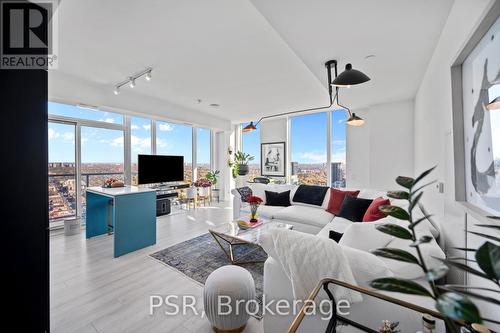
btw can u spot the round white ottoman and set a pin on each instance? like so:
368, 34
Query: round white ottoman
231, 285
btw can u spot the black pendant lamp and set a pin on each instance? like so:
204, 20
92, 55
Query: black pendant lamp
354, 120
349, 77
494, 104
248, 128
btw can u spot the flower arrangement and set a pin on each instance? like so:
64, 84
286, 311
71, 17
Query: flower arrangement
202, 182
113, 182
254, 202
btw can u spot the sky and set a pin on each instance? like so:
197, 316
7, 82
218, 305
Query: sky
101, 145
308, 138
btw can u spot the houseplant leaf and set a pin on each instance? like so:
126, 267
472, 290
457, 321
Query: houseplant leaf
488, 259
488, 226
463, 267
414, 224
396, 254
400, 286
496, 239
395, 211
415, 201
402, 195
422, 240
406, 182
459, 307
437, 273
394, 230
473, 295
423, 175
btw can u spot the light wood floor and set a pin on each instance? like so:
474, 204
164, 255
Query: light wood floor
93, 292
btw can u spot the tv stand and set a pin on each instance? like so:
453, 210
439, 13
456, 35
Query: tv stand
165, 193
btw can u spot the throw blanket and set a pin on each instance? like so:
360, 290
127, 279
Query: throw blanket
306, 259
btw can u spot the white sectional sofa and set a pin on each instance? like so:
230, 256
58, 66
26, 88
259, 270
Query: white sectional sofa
361, 236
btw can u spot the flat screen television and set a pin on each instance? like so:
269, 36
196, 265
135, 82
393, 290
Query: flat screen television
160, 169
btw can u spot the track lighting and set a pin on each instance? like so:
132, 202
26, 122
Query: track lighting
131, 80
349, 77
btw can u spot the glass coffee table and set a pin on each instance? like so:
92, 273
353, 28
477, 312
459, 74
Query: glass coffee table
232, 235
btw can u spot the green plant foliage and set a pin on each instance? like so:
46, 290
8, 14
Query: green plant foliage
488, 259
395, 230
405, 181
459, 307
401, 195
422, 240
400, 286
395, 211
396, 254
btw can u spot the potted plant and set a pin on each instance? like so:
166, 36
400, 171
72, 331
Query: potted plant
213, 177
455, 302
203, 186
241, 160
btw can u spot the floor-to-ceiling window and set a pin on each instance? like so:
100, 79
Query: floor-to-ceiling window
140, 142
338, 149
176, 139
250, 144
203, 152
102, 156
62, 171
308, 136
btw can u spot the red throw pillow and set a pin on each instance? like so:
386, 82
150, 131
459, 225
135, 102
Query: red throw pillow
373, 213
337, 198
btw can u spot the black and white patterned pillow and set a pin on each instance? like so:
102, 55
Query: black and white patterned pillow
244, 192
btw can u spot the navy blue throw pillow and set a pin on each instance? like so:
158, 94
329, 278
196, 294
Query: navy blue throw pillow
354, 208
278, 199
310, 194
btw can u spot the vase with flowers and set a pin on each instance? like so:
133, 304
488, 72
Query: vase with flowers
203, 186
254, 202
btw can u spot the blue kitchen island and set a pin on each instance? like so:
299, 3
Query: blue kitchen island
129, 213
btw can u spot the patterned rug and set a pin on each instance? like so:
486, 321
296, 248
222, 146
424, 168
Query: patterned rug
200, 256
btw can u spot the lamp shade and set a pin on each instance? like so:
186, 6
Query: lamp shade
350, 77
494, 104
354, 120
248, 128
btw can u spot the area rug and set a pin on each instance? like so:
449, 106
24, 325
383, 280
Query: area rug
200, 256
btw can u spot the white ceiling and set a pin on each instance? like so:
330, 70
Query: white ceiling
253, 58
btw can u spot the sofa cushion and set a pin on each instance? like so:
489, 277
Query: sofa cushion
373, 212
365, 237
337, 198
264, 211
354, 208
304, 214
278, 199
310, 194
338, 224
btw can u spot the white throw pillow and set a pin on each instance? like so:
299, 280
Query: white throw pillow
365, 266
364, 236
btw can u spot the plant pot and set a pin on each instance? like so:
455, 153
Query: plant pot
203, 191
243, 169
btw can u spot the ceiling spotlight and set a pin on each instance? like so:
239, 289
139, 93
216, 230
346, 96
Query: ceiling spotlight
349, 77
132, 82
214, 105
354, 120
116, 91
148, 76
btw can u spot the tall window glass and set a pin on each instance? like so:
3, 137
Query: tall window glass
62, 171
338, 146
176, 139
308, 149
140, 142
203, 146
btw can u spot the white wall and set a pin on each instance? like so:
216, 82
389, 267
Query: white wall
273, 130
382, 148
433, 116
434, 128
